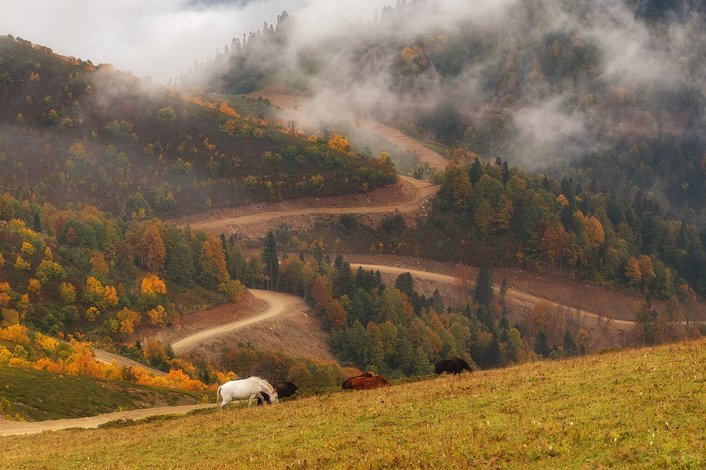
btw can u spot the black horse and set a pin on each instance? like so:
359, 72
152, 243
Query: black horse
455, 366
284, 390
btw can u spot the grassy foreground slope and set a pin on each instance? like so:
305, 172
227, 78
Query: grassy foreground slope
638, 408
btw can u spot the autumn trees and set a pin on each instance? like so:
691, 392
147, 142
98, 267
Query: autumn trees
88, 272
585, 231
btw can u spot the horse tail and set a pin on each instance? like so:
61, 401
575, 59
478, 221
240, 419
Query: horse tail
218, 394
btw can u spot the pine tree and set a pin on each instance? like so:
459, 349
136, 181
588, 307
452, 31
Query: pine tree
541, 345
484, 286
271, 260
405, 283
570, 345
475, 172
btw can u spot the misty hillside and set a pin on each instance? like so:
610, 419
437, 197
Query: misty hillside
613, 94
71, 132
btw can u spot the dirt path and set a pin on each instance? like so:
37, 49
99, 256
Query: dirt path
407, 197
294, 107
278, 304
110, 358
515, 295
14, 428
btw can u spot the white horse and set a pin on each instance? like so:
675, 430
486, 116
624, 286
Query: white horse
249, 388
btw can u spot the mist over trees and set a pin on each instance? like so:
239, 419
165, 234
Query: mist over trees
547, 86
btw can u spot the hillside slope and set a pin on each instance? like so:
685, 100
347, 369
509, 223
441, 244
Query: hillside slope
638, 408
73, 132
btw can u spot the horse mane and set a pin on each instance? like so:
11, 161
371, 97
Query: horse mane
264, 382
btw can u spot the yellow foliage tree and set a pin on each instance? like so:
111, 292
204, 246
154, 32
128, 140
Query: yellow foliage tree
125, 321
17, 334
338, 142
92, 313
458, 183
595, 232
5, 294
491, 219
153, 286
34, 286
27, 248
157, 316
24, 305
562, 201
67, 293
47, 343
21, 264
632, 272
99, 295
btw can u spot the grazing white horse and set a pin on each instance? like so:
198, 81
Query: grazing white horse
249, 388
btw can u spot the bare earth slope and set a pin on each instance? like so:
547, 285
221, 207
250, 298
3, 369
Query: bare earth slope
286, 324
294, 107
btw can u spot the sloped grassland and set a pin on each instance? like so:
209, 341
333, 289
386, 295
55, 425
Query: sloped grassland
641, 408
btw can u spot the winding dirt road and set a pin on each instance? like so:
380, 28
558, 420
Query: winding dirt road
299, 108
278, 304
110, 358
516, 296
416, 192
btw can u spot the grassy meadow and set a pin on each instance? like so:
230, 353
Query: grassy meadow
643, 408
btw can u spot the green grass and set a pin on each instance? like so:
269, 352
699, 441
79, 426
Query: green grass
637, 409
38, 395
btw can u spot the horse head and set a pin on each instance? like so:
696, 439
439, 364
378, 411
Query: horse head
274, 398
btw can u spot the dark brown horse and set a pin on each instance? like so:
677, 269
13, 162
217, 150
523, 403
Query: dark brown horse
346, 385
452, 366
284, 389
367, 383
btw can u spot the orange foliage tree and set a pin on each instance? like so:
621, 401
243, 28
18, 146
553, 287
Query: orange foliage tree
153, 286
101, 296
338, 142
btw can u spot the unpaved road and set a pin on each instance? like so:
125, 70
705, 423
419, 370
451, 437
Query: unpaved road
13, 428
414, 194
278, 304
515, 295
110, 358
297, 108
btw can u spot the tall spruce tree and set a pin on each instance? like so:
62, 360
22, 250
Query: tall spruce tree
484, 286
271, 260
